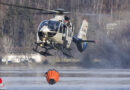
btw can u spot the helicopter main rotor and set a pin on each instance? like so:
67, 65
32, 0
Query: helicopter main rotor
58, 11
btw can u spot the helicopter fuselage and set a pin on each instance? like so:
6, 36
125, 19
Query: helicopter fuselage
58, 31
55, 32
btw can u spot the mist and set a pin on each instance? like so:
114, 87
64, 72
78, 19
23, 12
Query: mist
112, 49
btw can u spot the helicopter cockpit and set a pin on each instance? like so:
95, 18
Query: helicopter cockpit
52, 25
43, 23
50, 28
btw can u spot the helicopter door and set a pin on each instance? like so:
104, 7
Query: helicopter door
60, 37
64, 33
69, 35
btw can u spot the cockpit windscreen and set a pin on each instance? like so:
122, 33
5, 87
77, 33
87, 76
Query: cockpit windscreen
52, 25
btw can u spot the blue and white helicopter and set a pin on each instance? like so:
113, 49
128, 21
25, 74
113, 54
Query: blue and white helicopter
58, 32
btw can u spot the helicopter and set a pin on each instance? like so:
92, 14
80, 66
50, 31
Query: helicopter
58, 32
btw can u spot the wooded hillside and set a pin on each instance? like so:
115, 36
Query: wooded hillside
109, 24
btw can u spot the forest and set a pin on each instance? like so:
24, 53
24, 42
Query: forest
109, 25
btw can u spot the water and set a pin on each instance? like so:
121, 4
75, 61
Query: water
70, 79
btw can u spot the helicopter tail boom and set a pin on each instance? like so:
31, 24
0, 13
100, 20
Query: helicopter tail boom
82, 44
81, 39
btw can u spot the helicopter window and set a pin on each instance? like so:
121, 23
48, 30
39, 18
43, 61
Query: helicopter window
61, 28
64, 29
69, 32
53, 25
43, 23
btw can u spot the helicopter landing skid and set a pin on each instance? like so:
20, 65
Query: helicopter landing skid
64, 50
67, 52
45, 53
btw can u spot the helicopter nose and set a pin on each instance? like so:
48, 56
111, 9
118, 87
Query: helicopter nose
45, 30
48, 32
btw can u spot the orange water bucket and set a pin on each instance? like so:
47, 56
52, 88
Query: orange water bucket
52, 76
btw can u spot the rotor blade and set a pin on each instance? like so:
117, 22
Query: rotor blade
67, 12
26, 7
13, 5
88, 14
44, 13
92, 14
57, 11
61, 10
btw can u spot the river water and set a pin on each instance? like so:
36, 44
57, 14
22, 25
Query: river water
70, 79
